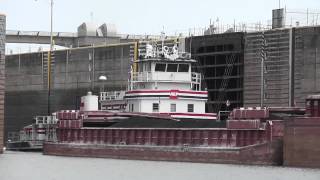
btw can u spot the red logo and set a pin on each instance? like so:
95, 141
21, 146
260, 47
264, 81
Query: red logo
174, 94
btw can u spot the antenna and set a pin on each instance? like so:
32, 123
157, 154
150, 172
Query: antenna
91, 16
162, 40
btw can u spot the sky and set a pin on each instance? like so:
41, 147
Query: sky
141, 16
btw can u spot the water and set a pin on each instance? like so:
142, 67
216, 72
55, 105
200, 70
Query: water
35, 166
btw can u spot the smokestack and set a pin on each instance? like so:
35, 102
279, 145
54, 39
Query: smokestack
278, 18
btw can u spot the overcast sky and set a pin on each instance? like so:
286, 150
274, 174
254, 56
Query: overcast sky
141, 16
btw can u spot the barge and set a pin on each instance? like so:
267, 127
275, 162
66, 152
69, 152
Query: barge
248, 137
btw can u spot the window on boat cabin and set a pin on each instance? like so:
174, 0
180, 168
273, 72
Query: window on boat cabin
139, 67
160, 67
146, 67
173, 107
183, 68
155, 107
172, 67
131, 107
190, 108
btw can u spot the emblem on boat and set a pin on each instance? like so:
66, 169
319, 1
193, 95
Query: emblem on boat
174, 94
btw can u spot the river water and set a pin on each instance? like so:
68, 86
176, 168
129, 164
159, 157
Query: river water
35, 166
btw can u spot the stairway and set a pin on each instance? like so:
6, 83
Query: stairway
45, 57
225, 81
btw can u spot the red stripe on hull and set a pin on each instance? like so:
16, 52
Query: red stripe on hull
193, 114
167, 91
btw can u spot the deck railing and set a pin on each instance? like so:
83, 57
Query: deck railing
112, 95
194, 80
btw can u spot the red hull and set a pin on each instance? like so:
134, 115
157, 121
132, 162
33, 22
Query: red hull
262, 154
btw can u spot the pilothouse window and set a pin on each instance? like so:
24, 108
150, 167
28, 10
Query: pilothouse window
172, 67
160, 67
183, 68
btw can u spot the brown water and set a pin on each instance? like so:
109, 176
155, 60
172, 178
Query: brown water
35, 166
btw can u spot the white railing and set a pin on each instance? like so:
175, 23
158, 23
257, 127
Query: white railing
46, 120
194, 79
160, 76
112, 95
142, 76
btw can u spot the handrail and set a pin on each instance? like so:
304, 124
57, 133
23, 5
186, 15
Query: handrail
112, 95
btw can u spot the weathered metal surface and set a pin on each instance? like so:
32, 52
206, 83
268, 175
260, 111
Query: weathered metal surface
262, 154
71, 124
238, 133
313, 106
277, 129
68, 115
163, 137
244, 124
301, 142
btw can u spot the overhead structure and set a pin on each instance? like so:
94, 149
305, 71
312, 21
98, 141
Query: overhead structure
107, 30
87, 29
88, 34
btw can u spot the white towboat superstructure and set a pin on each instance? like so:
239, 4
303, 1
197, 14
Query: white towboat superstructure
163, 82
31, 137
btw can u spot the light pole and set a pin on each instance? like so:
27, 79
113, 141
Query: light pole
103, 94
49, 57
102, 78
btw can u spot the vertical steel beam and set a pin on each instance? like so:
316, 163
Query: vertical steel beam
291, 66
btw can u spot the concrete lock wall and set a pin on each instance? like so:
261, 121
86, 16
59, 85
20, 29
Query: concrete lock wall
274, 46
291, 66
73, 73
2, 62
306, 63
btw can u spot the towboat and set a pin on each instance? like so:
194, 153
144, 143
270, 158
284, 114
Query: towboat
31, 137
